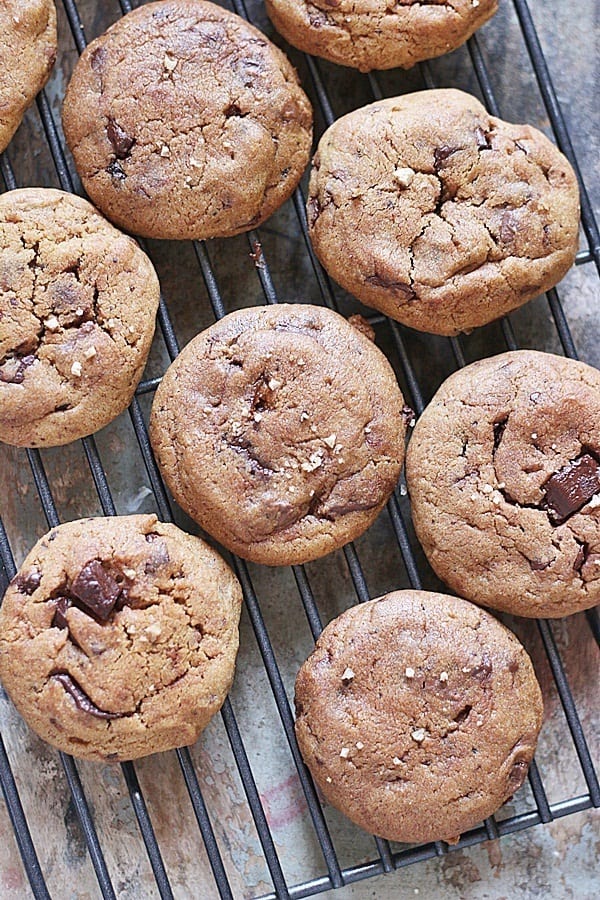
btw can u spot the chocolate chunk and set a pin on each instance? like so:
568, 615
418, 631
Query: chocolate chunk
399, 287
582, 555
159, 557
120, 140
60, 613
82, 701
482, 139
13, 370
442, 153
509, 226
27, 584
569, 489
232, 110
115, 171
96, 589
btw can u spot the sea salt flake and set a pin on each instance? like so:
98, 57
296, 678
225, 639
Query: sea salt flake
76, 369
418, 735
410, 673
344, 752
330, 440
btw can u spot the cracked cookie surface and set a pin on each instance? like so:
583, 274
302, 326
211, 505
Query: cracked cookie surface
118, 637
418, 715
28, 44
280, 430
503, 472
78, 301
377, 34
186, 122
440, 215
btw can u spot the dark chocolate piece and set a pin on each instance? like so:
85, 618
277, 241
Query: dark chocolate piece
96, 589
27, 584
82, 701
569, 489
60, 613
119, 139
508, 226
442, 153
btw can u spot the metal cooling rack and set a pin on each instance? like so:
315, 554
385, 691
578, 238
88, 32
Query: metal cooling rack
385, 859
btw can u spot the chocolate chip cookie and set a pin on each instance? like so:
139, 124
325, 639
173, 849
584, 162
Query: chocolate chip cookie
280, 430
27, 53
418, 715
503, 472
378, 35
440, 215
78, 301
118, 637
186, 122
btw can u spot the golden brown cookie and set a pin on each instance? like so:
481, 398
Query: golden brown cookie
118, 637
373, 34
418, 715
78, 301
440, 215
27, 53
280, 430
186, 122
503, 471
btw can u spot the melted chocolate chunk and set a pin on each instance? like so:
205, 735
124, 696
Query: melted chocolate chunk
569, 489
98, 59
509, 226
119, 139
60, 613
442, 153
82, 701
96, 589
13, 370
27, 584
399, 287
483, 671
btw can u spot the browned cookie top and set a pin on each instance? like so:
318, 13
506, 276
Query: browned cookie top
27, 54
376, 34
118, 637
440, 215
186, 122
281, 431
503, 473
418, 715
78, 301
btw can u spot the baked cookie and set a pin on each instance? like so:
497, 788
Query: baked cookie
373, 34
186, 122
78, 301
280, 430
27, 54
450, 220
118, 637
418, 715
503, 472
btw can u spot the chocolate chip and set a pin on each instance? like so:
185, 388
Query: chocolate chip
483, 142
82, 701
120, 140
60, 613
509, 226
27, 584
483, 671
13, 370
569, 489
115, 171
96, 589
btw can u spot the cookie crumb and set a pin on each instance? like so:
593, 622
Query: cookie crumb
330, 440
410, 673
52, 324
76, 369
443, 676
344, 752
347, 675
418, 735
